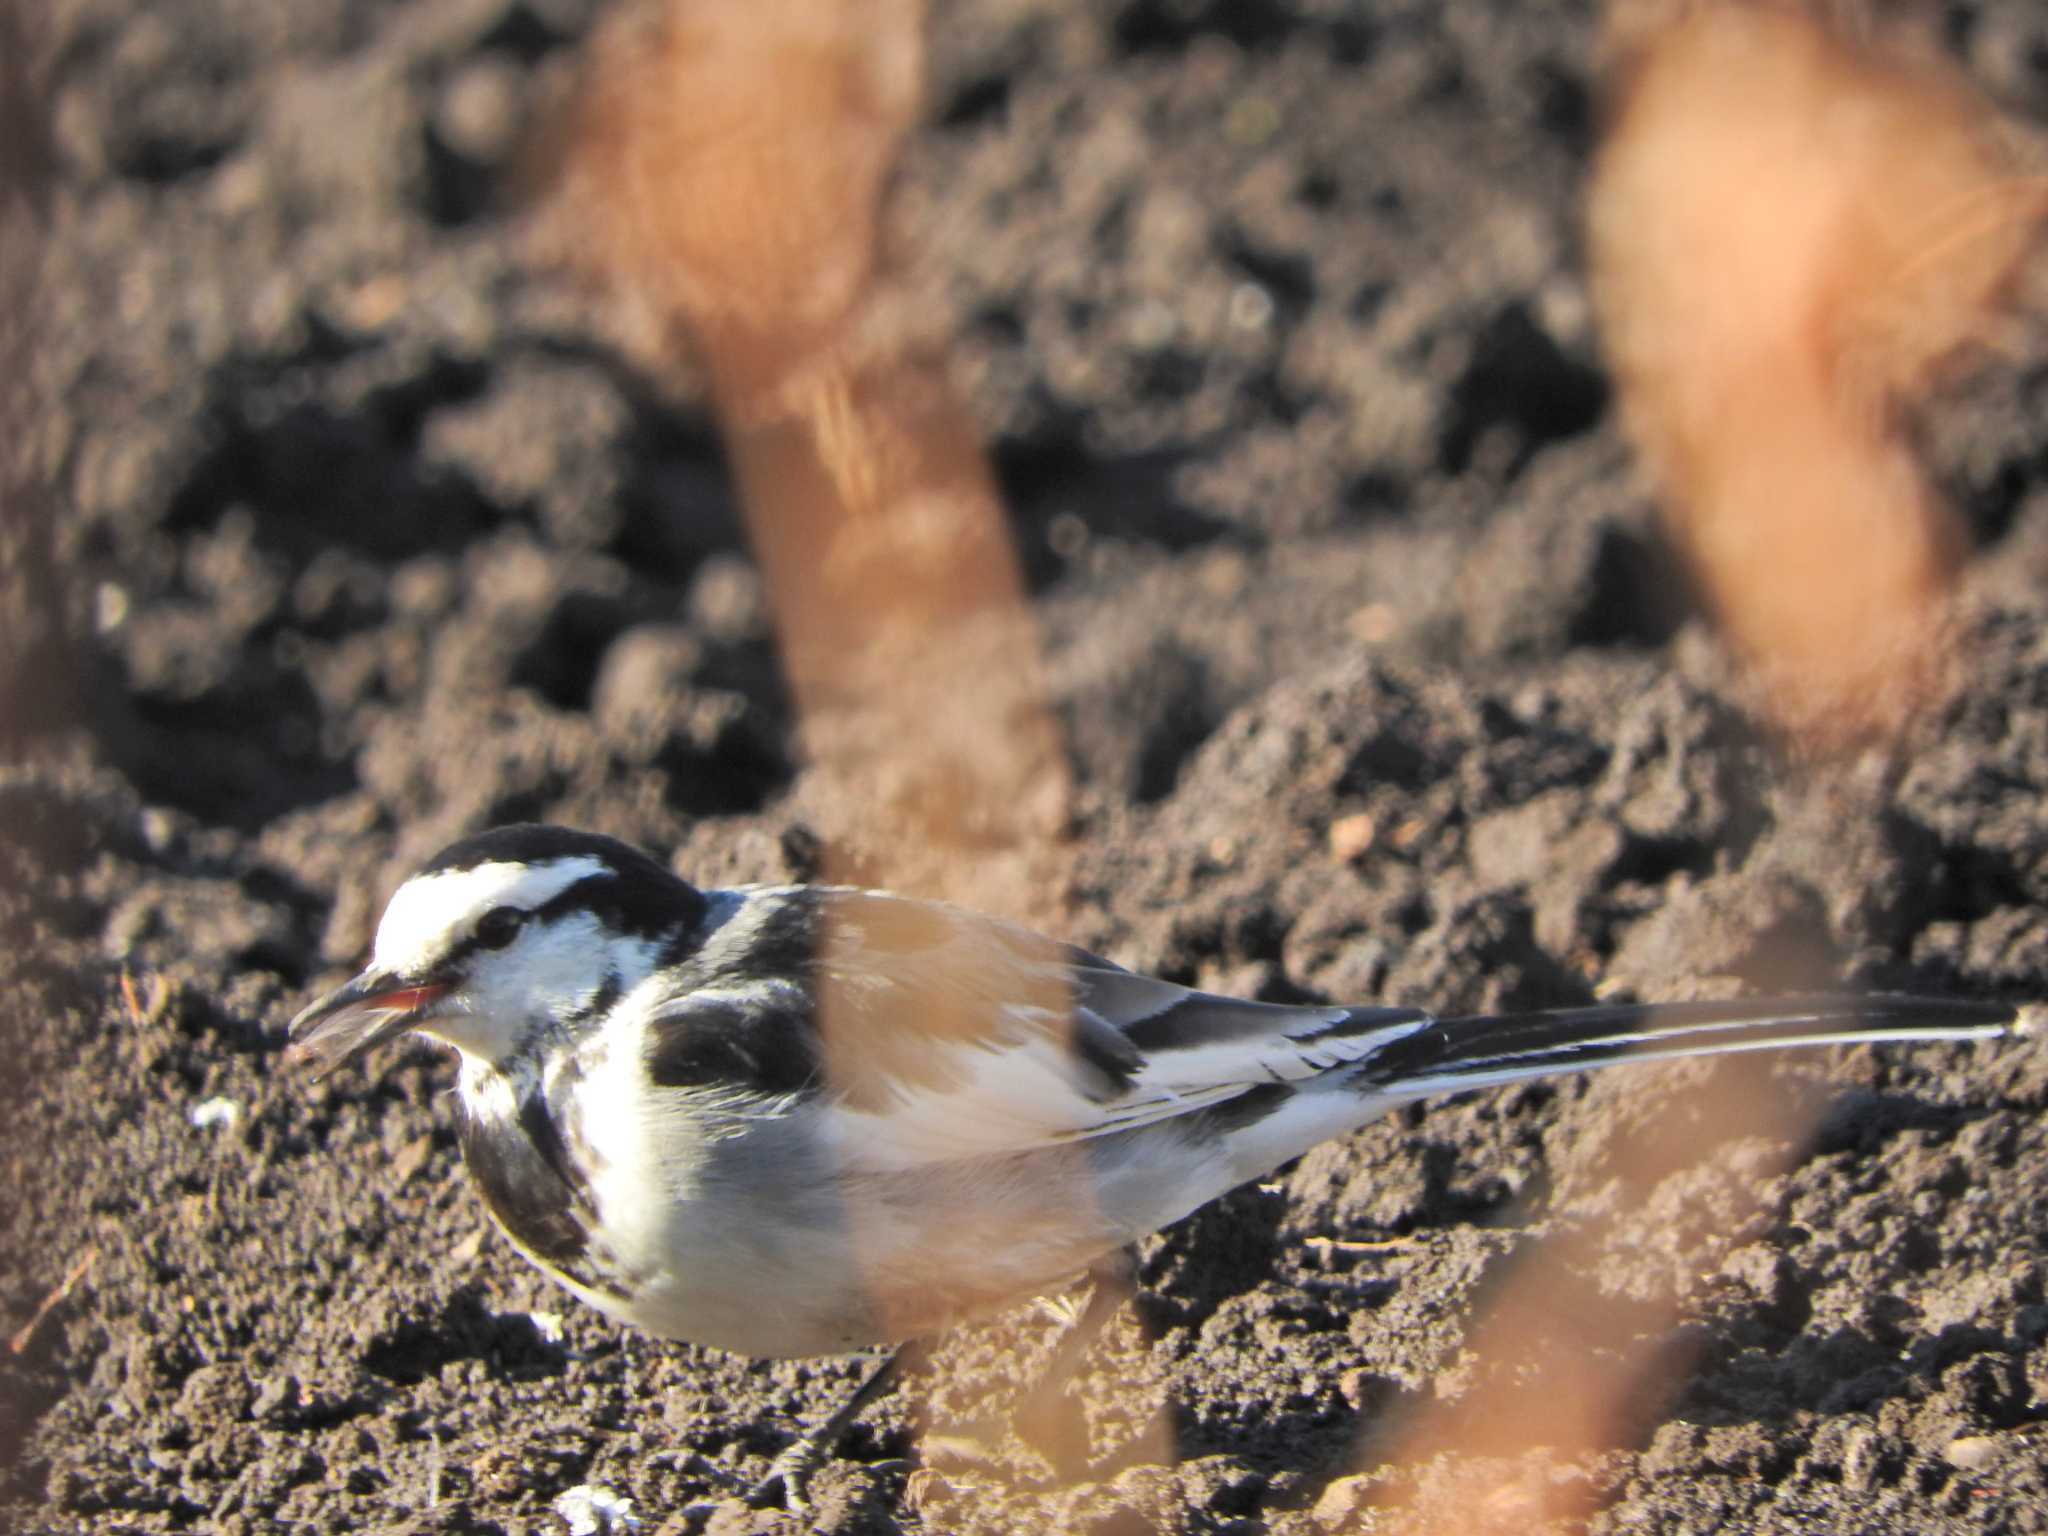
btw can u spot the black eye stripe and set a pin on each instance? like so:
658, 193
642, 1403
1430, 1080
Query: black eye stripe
649, 904
464, 948
629, 902
499, 927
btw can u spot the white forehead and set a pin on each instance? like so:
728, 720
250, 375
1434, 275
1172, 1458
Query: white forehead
430, 912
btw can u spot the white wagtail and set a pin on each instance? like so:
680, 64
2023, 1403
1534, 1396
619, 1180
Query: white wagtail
806, 1120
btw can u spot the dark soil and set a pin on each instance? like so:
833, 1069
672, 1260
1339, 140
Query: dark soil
336, 520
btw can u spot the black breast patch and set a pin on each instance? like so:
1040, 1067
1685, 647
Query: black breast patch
522, 1167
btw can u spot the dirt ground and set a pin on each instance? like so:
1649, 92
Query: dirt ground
342, 526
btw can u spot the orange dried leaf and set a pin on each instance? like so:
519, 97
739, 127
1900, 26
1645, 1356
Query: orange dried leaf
1791, 235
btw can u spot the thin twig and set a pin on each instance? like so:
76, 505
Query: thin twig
27, 1332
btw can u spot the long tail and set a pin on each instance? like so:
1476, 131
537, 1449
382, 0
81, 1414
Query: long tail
1481, 1049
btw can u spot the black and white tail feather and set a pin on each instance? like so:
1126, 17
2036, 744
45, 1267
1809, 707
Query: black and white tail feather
1479, 1050
1273, 1079
1202, 1042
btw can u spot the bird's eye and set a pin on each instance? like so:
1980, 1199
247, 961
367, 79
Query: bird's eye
499, 927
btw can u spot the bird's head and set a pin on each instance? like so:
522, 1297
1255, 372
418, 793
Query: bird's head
500, 935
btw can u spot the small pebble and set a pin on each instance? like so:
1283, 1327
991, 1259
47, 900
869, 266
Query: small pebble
1971, 1453
925, 1488
478, 115
594, 1511
414, 1156
277, 1396
1343, 1499
216, 1111
1351, 836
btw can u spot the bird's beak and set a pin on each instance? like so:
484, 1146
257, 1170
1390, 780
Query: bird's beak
351, 1019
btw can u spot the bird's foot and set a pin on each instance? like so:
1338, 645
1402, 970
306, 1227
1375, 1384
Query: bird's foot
1064, 1309
788, 1483
789, 1477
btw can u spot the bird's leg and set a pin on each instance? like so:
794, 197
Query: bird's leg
793, 1468
1039, 1418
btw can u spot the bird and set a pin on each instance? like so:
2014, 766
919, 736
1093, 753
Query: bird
807, 1120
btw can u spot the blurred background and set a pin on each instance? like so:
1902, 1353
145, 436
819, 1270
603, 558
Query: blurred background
1473, 503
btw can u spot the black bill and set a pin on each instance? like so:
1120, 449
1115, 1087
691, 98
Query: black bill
355, 1018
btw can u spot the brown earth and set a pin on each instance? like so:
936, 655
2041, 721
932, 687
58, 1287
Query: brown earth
339, 526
